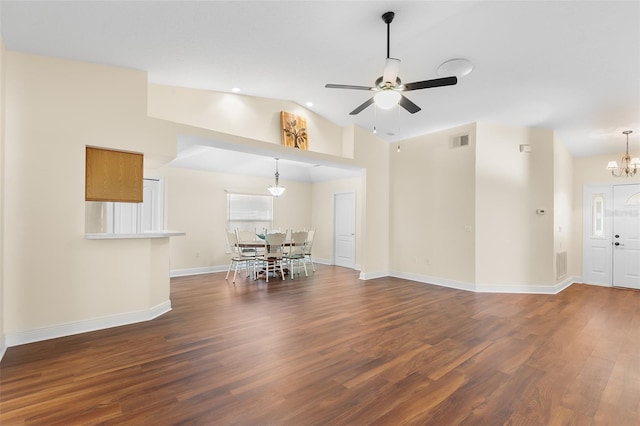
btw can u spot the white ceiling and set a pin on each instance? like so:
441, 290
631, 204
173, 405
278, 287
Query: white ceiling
571, 66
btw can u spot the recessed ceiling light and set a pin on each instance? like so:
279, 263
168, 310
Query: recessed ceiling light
458, 67
235, 89
309, 104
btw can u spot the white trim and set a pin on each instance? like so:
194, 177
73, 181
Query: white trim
197, 271
69, 329
373, 275
459, 285
487, 288
527, 289
598, 285
3, 347
137, 235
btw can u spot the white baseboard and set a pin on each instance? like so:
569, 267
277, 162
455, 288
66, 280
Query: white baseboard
488, 288
459, 285
373, 275
197, 271
62, 330
322, 261
3, 346
527, 289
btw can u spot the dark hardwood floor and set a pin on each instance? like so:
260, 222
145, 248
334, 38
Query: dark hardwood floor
333, 350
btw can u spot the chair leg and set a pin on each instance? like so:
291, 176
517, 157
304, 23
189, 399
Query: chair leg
228, 270
235, 272
304, 265
292, 269
281, 269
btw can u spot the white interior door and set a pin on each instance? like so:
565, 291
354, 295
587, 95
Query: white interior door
626, 236
344, 229
596, 235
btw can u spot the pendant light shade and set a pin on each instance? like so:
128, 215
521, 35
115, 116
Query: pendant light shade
276, 190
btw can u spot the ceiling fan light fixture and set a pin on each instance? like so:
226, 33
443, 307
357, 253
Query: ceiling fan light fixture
387, 99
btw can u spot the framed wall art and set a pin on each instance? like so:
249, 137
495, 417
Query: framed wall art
294, 130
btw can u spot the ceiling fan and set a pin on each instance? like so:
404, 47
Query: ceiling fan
389, 86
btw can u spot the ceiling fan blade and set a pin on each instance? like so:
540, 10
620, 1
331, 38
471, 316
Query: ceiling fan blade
408, 105
361, 107
436, 82
391, 69
347, 86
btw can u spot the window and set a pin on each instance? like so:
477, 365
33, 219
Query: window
249, 211
134, 218
597, 216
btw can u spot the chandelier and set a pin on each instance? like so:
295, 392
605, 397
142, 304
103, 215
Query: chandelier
276, 190
629, 166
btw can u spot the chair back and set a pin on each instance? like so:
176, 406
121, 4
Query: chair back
247, 237
309, 242
298, 243
274, 244
246, 234
232, 242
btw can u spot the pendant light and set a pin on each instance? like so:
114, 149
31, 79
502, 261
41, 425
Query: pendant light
276, 190
629, 166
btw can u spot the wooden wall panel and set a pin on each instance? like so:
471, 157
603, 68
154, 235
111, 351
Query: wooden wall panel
112, 175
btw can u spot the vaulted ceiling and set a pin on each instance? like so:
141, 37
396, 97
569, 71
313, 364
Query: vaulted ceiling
571, 66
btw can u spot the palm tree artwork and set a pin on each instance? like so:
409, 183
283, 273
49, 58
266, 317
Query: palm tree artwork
294, 131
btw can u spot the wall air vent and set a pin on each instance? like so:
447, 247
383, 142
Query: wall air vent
459, 141
561, 264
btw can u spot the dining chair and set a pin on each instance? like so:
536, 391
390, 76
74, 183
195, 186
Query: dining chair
296, 252
273, 256
238, 257
307, 247
247, 236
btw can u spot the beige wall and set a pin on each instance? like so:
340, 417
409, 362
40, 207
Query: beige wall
463, 215
514, 245
196, 203
372, 154
432, 207
563, 227
246, 116
52, 274
2, 172
328, 143
322, 217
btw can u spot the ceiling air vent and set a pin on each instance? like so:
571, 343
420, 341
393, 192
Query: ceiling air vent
459, 141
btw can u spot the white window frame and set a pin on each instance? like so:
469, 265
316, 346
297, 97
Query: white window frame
137, 218
247, 219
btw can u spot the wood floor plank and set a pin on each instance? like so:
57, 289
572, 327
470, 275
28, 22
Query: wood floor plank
333, 349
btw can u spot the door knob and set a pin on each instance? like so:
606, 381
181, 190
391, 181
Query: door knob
616, 243
617, 236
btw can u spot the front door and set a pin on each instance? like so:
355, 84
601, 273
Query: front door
626, 236
611, 235
345, 229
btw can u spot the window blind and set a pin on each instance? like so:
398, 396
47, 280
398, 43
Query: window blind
249, 211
